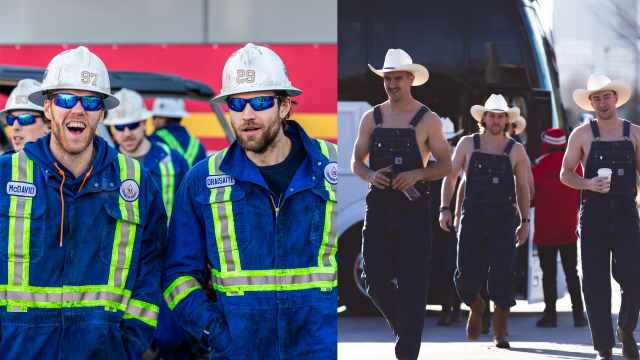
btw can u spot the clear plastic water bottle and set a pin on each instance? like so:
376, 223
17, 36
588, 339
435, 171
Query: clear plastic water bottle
411, 193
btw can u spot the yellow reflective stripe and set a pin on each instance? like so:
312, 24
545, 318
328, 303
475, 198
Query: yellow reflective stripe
125, 232
192, 150
329, 150
19, 222
143, 311
64, 297
167, 175
179, 289
326, 256
170, 140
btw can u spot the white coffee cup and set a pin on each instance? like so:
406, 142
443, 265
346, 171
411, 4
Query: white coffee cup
604, 172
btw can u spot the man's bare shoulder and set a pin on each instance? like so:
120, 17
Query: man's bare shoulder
635, 130
367, 119
519, 151
581, 133
465, 143
431, 119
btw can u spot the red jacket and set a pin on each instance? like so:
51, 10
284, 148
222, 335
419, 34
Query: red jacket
557, 205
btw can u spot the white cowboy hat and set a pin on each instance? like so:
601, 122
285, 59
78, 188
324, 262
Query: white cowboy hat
496, 104
520, 125
449, 129
599, 82
399, 60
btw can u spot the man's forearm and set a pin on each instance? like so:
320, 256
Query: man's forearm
447, 190
361, 170
573, 180
523, 200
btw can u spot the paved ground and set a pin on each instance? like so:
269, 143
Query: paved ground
369, 338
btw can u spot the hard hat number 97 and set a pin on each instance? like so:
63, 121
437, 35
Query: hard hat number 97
86, 77
250, 76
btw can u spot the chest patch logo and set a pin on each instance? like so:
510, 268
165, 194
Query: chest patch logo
17, 188
620, 172
218, 181
398, 160
331, 172
495, 180
129, 190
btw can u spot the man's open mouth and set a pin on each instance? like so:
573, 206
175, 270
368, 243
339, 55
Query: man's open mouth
76, 128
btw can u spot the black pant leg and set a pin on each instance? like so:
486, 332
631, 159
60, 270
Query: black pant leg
548, 263
569, 256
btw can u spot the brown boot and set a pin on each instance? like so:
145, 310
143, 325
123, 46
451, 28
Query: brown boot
500, 320
474, 325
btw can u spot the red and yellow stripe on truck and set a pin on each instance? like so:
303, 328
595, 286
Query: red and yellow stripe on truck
311, 67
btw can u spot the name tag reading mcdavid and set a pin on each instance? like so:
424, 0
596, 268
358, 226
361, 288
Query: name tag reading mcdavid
17, 188
218, 181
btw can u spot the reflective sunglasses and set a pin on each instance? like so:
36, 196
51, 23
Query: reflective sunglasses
130, 126
257, 103
68, 101
24, 119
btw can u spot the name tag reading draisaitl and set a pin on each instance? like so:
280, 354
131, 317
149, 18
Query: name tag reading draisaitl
17, 188
218, 181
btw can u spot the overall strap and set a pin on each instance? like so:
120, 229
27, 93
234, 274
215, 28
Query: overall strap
476, 142
416, 119
377, 115
626, 129
509, 146
594, 130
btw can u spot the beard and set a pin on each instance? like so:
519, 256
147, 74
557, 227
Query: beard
259, 144
57, 131
135, 147
496, 131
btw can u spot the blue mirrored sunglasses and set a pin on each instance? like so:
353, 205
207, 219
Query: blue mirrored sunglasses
257, 103
68, 101
24, 119
130, 126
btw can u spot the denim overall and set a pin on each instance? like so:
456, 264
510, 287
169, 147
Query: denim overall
397, 237
488, 228
609, 223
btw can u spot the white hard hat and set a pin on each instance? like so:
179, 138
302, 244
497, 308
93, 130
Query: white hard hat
169, 107
19, 98
254, 68
131, 110
76, 69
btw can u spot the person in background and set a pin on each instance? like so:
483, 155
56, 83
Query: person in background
556, 222
167, 115
167, 168
26, 119
444, 244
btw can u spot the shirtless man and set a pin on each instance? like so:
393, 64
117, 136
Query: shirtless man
490, 160
399, 135
609, 223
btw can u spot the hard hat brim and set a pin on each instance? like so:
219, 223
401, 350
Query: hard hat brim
40, 96
182, 114
291, 91
127, 120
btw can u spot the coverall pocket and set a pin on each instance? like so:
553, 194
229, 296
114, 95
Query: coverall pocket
119, 231
488, 174
325, 217
22, 224
226, 218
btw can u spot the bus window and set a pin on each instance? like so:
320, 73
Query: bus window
494, 54
352, 52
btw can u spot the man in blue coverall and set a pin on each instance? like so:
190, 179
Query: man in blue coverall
167, 168
167, 115
263, 214
82, 230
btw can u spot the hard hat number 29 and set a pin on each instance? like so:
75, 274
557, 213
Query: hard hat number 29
86, 77
250, 76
